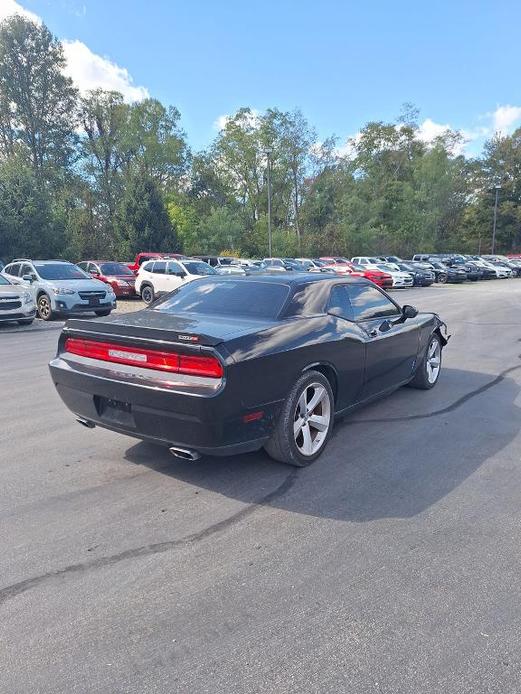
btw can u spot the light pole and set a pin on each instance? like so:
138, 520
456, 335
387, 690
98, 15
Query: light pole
498, 188
268, 156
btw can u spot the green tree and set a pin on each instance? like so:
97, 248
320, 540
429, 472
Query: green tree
37, 101
27, 227
142, 222
154, 143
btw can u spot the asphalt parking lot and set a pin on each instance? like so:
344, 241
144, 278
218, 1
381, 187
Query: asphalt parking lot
391, 565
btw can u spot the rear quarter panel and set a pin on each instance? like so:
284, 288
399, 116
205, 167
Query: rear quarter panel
268, 363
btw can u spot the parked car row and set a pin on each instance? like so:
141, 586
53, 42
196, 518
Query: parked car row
60, 288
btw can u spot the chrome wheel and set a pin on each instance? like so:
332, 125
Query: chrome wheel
433, 362
312, 419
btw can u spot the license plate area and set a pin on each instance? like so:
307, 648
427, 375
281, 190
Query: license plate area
93, 301
115, 411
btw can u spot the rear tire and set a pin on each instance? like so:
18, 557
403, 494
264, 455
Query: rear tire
429, 369
147, 294
443, 279
44, 308
305, 422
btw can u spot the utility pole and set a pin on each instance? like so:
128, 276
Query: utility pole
498, 188
268, 156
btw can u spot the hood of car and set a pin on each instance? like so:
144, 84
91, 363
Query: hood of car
85, 285
11, 290
126, 278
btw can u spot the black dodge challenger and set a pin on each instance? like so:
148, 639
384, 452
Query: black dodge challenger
226, 365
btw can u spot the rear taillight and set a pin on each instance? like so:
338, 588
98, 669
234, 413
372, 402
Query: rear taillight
157, 360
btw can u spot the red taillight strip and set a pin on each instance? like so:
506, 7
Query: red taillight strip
145, 358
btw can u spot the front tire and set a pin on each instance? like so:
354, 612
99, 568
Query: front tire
429, 369
44, 308
305, 422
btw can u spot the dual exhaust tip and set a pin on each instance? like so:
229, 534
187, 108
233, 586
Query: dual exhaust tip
182, 453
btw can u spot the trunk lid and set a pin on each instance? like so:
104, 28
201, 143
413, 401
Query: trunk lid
187, 329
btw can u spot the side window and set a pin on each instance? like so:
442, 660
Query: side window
159, 267
148, 267
367, 303
340, 301
26, 270
13, 269
173, 268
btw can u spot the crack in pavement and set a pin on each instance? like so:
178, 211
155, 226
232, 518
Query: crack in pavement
449, 408
147, 550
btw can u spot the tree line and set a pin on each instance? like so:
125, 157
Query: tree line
88, 175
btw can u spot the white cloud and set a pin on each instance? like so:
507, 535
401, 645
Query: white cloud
505, 117
9, 7
89, 70
220, 122
429, 130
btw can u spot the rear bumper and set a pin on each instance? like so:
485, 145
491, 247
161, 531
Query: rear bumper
210, 425
124, 292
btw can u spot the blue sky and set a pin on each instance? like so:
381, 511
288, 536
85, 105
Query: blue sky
341, 63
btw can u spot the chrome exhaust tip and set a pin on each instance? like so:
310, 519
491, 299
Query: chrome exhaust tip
85, 423
184, 453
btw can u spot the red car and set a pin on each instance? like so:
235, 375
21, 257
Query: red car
382, 279
143, 257
118, 275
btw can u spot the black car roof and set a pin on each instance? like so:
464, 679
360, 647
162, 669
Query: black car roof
292, 280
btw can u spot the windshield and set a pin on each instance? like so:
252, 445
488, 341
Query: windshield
4, 280
115, 269
199, 268
60, 271
227, 298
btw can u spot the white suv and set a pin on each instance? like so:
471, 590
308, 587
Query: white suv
161, 276
16, 303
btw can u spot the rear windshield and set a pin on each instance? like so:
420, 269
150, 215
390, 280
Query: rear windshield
227, 298
60, 271
115, 269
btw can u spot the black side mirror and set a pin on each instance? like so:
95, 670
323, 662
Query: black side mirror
409, 311
180, 274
